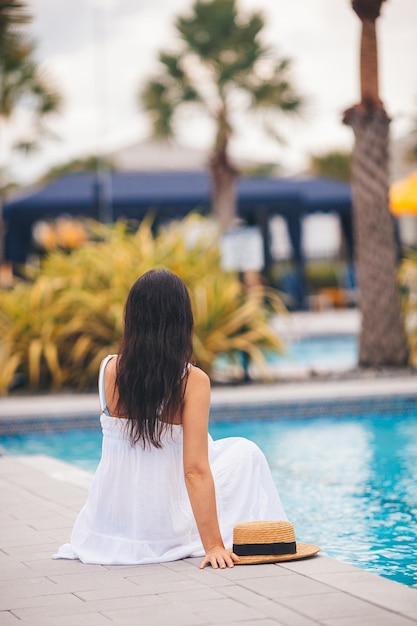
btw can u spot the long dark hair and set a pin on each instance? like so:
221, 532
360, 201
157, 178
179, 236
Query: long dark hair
155, 350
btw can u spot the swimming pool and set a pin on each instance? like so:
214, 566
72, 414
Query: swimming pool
318, 353
348, 483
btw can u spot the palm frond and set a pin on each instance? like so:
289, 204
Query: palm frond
60, 327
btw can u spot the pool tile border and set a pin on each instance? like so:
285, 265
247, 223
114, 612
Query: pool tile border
343, 407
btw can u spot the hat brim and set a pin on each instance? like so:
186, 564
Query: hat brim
304, 550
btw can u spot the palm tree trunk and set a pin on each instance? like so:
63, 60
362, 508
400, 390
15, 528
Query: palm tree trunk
369, 67
223, 174
382, 338
224, 196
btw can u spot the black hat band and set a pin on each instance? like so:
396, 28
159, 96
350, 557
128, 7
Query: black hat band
255, 549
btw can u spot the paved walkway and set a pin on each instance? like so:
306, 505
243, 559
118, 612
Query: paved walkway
22, 408
40, 498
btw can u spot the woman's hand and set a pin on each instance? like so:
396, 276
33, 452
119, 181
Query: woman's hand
218, 556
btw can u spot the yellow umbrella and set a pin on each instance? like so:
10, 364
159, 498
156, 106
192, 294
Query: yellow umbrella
403, 196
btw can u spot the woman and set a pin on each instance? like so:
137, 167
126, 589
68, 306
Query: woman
164, 490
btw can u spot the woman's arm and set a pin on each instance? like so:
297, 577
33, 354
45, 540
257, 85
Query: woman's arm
197, 472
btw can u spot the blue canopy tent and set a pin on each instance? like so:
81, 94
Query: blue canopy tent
171, 195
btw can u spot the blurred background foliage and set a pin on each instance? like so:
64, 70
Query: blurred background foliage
408, 285
332, 164
57, 326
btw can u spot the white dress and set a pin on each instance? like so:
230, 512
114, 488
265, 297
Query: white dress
138, 510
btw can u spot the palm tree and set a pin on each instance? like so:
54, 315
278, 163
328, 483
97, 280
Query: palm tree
222, 66
12, 13
382, 338
22, 84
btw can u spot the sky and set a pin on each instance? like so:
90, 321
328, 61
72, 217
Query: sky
99, 52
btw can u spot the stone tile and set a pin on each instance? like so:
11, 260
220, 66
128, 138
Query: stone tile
129, 602
92, 619
8, 619
6, 519
24, 536
19, 499
155, 616
11, 467
258, 622
38, 509
78, 607
83, 581
387, 619
162, 575
11, 570
53, 522
57, 469
147, 588
26, 588
241, 572
49, 566
25, 553
209, 577
12, 522
60, 536
152, 569
245, 596
121, 589
285, 586
331, 605
317, 564
268, 607
386, 593
223, 610
286, 616
180, 566
191, 595
57, 601
48, 490
195, 561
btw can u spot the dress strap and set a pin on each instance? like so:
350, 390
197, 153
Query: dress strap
101, 392
186, 369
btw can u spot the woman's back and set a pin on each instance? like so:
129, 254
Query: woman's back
108, 388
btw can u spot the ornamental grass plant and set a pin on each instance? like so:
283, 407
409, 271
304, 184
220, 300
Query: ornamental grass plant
56, 329
408, 285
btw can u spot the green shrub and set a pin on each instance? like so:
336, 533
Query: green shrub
56, 330
408, 284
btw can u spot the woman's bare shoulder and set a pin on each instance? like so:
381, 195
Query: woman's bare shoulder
196, 400
197, 382
197, 376
110, 367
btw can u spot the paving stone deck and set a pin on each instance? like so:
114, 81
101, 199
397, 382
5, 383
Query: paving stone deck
40, 497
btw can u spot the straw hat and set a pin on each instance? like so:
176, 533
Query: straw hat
268, 542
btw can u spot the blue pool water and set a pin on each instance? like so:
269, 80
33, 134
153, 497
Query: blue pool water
308, 353
348, 484
319, 352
